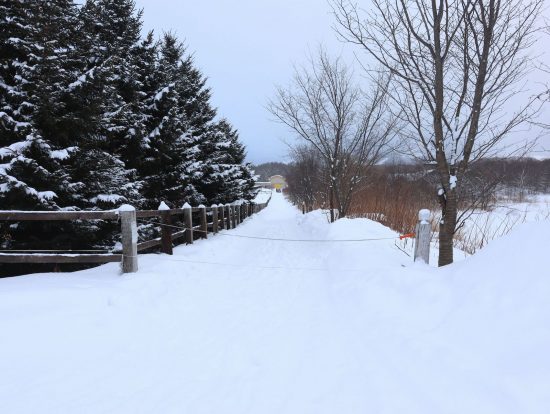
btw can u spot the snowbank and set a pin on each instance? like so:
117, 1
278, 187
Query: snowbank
235, 325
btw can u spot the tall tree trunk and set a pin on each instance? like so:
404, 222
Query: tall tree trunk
345, 205
447, 228
331, 202
337, 194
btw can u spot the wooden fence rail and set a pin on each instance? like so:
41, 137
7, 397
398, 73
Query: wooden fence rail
198, 222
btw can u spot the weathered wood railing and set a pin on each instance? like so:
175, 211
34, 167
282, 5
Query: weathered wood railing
198, 222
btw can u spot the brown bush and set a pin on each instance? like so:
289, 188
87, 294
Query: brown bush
394, 196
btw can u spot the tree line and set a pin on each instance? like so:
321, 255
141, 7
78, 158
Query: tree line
268, 169
94, 115
395, 190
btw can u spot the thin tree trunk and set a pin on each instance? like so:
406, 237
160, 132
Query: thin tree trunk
331, 202
447, 228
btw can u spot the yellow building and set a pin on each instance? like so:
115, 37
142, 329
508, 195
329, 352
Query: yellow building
278, 182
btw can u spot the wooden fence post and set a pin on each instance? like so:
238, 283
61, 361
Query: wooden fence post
245, 210
128, 226
215, 220
303, 207
204, 222
165, 230
237, 214
188, 222
423, 237
233, 209
221, 213
229, 219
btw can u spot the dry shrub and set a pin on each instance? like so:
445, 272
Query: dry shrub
394, 196
395, 193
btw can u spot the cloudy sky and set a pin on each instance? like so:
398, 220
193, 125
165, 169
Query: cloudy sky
246, 47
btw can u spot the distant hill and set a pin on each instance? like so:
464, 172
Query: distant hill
268, 169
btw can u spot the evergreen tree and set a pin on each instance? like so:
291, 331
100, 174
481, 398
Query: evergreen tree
109, 103
216, 173
195, 97
242, 185
35, 66
93, 116
15, 48
170, 159
225, 178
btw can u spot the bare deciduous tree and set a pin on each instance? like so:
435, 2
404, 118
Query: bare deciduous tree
349, 129
455, 65
545, 68
305, 177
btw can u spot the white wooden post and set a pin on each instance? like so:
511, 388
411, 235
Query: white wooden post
188, 221
128, 226
423, 237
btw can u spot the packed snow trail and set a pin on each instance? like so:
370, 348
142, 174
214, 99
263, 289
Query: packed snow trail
234, 325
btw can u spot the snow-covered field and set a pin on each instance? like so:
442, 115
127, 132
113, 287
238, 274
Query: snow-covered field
237, 325
483, 226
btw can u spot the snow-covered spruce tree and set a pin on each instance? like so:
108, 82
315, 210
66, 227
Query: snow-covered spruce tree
217, 174
170, 154
105, 105
145, 64
224, 177
194, 99
92, 116
32, 69
109, 104
36, 63
190, 157
195, 96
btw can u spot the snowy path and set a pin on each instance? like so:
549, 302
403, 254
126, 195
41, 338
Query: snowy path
275, 327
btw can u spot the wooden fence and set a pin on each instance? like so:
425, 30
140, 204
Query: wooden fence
198, 222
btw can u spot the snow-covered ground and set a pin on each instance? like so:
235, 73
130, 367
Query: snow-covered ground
482, 226
237, 325
263, 195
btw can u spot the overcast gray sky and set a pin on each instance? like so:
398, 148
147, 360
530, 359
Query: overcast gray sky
245, 48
